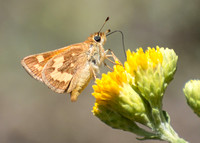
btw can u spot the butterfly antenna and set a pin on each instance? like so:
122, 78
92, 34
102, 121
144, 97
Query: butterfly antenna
122, 40
103, 24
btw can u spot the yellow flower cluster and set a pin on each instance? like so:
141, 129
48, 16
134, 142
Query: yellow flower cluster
114, 85
133, 93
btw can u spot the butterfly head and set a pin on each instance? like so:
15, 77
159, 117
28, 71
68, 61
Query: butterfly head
98, 37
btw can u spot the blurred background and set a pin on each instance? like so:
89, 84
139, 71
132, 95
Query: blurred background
32, 113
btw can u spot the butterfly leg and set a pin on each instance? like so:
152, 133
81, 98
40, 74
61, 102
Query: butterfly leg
108, 66
112, 55
92, 70
110, 60
94, 74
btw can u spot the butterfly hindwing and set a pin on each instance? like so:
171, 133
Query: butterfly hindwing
60, 72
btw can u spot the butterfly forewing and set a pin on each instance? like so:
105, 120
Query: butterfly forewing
34, 64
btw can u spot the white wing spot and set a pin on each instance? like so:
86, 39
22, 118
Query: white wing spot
56, 75
40, 58
71, 65
38, 67
58, 62
61, 76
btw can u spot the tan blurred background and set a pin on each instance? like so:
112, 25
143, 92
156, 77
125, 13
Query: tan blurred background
32, 113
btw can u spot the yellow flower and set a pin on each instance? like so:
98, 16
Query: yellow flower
142, 60
114, 91
110, 84
146, 68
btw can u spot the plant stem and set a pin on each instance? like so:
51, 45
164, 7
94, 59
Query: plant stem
168, 134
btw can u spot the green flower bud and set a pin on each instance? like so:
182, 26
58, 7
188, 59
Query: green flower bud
118, 121
150, 82
169, 63
132, 106
192, 94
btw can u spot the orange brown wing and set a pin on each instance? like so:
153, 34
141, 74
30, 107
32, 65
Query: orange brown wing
34, 64
60, 71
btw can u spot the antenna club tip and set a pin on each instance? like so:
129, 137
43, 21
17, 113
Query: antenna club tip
107, 18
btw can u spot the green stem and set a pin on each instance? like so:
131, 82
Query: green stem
162, 127
168, 134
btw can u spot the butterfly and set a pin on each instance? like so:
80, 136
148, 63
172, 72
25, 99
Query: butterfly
70, 68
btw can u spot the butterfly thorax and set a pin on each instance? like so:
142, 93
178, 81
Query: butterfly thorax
96, 53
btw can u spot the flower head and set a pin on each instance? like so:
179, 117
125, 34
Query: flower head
114, 91
192, 94
152, 71
143, 60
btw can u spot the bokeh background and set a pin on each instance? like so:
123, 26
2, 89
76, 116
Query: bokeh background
32, 113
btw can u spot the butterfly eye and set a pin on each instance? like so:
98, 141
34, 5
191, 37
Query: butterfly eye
97, 38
